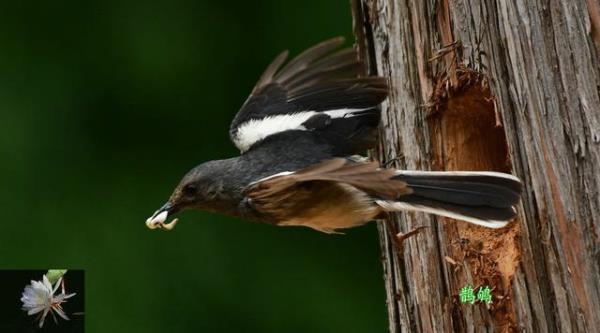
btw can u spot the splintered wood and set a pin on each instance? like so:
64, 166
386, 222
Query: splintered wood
467, 134
510, 86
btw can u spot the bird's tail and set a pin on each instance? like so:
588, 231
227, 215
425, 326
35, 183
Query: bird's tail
482, 198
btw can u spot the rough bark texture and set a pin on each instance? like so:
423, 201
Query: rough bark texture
505, 85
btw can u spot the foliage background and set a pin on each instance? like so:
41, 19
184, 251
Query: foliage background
104, 105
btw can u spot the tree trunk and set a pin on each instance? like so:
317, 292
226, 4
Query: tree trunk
511, 86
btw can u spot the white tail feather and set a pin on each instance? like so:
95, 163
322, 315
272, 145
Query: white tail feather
404, 206
457, 173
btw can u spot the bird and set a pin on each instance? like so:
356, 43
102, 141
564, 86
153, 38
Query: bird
302, 134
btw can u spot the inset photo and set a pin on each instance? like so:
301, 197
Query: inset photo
44, 300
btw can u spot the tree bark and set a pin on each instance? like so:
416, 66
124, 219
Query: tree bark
511, 86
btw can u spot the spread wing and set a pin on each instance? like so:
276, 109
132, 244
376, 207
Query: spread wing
286, 193
318, 90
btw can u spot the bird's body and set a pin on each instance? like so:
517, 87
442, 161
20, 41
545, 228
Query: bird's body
298, 134
231, 178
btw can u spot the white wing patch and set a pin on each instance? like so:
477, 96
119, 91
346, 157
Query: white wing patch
254, 130
284, 173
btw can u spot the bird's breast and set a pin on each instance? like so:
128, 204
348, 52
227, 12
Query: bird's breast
327, 207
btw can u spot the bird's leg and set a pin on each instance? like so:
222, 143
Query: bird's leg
397, 237
387, 164
392, 230
404, 236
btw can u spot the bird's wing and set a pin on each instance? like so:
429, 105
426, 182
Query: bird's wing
310, 92
284, 193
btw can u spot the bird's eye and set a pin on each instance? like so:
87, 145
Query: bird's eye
189, 190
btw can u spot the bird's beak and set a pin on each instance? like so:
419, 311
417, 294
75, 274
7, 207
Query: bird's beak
157, 220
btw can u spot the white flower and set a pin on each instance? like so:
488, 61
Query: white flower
38, 298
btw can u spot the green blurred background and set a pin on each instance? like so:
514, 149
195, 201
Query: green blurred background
104, 105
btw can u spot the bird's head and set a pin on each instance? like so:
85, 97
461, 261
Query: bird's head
200, 188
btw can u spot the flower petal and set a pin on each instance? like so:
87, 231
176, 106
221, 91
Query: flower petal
34, 296
43, 317
54, 317
56, 285
69, 295
47, 284
61, 313
35, 310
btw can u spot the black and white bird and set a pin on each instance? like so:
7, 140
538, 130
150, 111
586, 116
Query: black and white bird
299, 133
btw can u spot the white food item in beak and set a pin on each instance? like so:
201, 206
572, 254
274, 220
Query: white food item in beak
151, 225
171, 225
158, 221
160, 218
